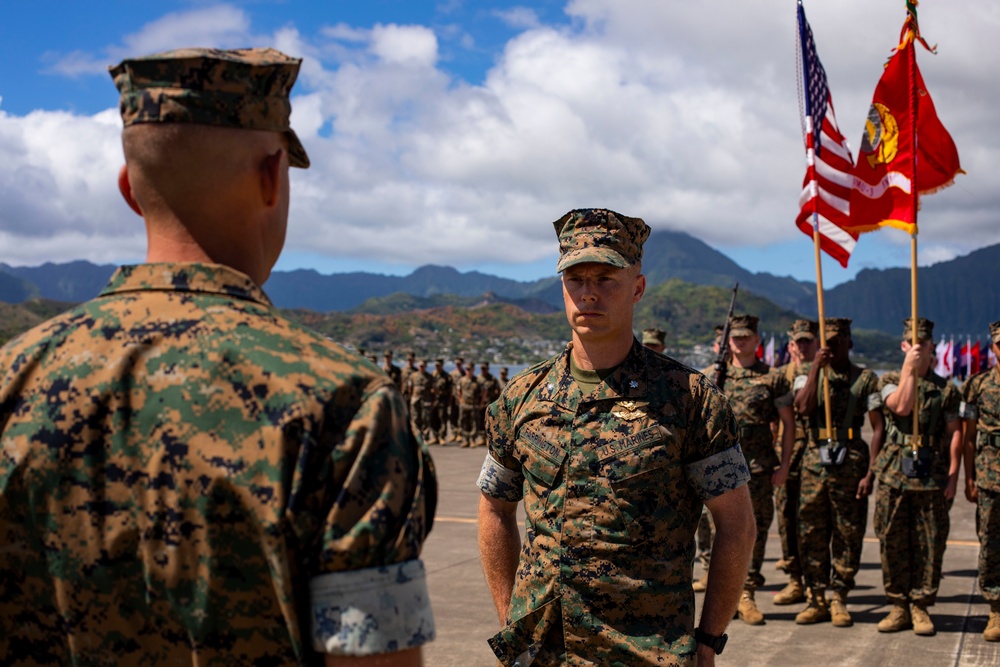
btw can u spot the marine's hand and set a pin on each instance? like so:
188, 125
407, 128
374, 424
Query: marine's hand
823, 357
865, 486
949, 491
971, 492
780, 476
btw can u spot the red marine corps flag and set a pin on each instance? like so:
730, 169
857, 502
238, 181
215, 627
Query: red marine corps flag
894, 166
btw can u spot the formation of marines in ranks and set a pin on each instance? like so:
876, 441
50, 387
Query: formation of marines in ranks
445, 406
818, 478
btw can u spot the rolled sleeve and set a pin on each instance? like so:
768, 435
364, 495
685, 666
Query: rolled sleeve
888, 390
968, 411
371, 611
499, 482
874, 401
716, 474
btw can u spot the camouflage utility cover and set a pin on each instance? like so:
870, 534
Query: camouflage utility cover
242, 88
613, 485
981, 404
934, 392
180, 465
756, 394
599, 235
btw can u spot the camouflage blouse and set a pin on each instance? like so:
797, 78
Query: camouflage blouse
935, 395
613, 485
186, 477
868, 399
981, 404
756, 394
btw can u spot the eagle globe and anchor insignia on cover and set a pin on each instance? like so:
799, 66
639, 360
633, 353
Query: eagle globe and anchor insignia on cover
880, 140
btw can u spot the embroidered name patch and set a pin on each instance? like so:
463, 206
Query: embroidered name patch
542, 445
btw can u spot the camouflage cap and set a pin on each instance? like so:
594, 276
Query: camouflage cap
925, 329
242, 88
718, 329
808, 329
743, 325
599, 235
837, 325
439, 360
387, 354
410, 356
995, 332
653, 336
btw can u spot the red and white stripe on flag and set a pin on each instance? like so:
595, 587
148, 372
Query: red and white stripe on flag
826, 189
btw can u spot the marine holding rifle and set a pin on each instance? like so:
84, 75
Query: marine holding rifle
835, 478
759, 395
917, 477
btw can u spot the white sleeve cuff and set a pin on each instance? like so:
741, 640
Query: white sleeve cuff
375, 610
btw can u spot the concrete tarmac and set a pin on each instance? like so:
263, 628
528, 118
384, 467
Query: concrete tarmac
466, 617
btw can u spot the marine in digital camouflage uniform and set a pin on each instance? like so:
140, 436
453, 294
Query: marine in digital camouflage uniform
759, 396
980, 412
456, 374
911, 505
802, 343
186, 476
489, 391
836, 476
442, 401
392, 370
613, 449
468, 392
420, 389
405, 372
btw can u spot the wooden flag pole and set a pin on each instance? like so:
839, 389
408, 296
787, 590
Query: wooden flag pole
914, 340
822, 325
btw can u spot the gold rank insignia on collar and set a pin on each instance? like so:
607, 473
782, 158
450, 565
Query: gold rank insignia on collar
629, 411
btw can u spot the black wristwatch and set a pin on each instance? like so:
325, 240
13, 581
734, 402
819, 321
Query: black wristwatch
711, 641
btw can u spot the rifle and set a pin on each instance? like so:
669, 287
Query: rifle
720, 361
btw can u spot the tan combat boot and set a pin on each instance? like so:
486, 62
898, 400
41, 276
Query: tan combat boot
838, 611
817, 611
699, 585
793, 593
922, 623
748, 611
992, 631
897, 619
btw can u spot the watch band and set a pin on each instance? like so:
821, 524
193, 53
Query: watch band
711, 641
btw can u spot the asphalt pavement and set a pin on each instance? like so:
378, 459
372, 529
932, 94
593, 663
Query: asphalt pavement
465, 615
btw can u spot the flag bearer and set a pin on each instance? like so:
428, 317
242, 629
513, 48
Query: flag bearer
917, 480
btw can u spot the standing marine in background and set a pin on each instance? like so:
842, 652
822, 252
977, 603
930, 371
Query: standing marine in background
980, 412
442, 402
420, 389
468, 394
836, 473
759, 395
802, 344
392, 370
454, 417
916, 481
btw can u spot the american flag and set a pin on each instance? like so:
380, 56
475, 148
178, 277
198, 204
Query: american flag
826, 188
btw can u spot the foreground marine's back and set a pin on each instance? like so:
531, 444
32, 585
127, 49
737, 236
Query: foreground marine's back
177, 461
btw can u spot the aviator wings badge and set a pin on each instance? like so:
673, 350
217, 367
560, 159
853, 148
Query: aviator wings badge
629, 411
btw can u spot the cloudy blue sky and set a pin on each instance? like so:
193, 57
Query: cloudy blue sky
453, 132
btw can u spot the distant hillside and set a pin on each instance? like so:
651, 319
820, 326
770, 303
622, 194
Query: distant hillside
956, 294
670, 255
18, 318
959, 295
71, 282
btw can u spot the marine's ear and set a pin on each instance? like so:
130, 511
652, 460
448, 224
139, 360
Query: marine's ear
125, 187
